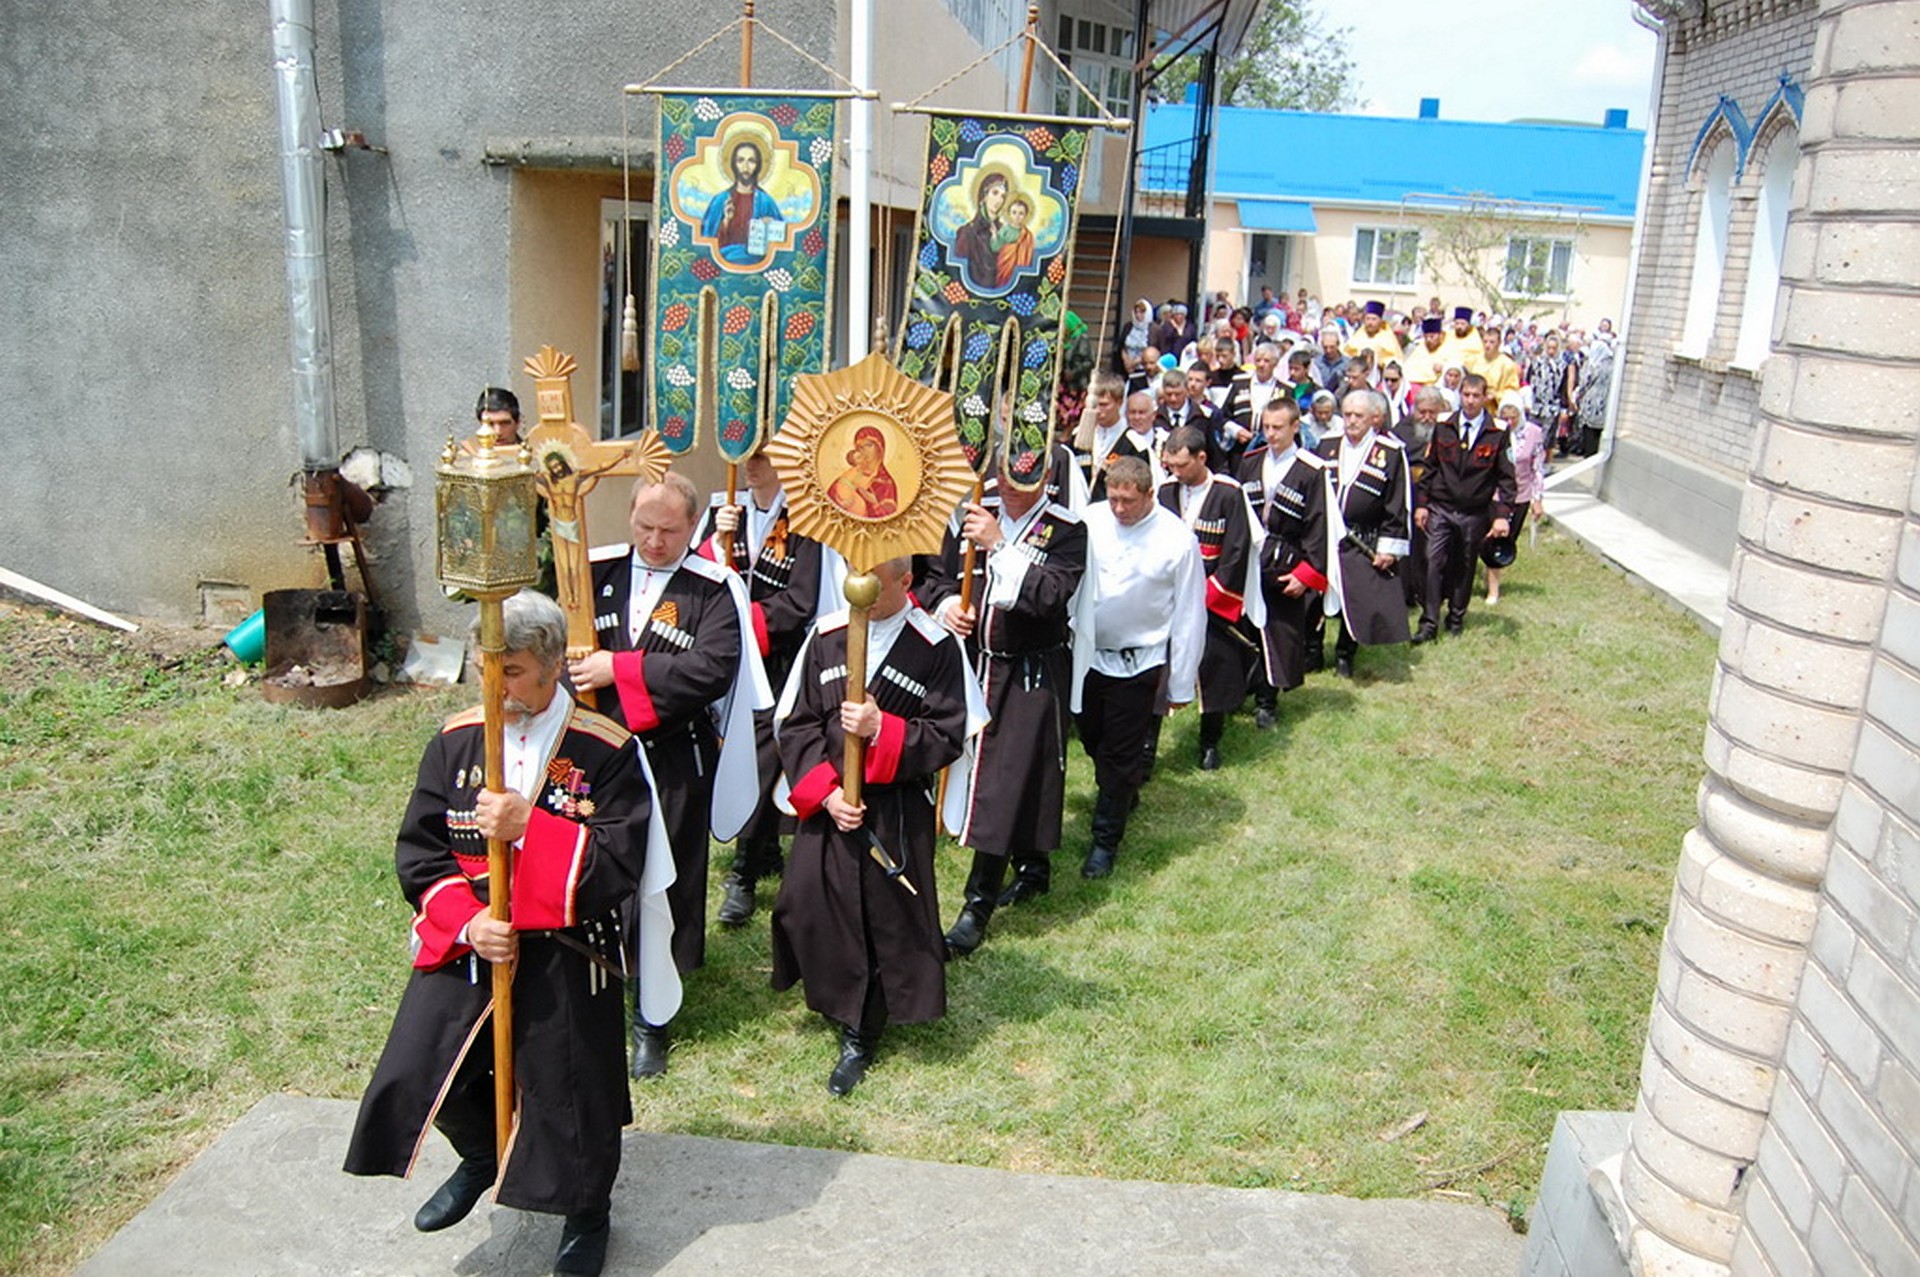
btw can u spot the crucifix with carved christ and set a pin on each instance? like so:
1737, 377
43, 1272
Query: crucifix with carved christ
568, 464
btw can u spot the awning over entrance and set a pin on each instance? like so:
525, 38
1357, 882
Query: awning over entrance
1277, 217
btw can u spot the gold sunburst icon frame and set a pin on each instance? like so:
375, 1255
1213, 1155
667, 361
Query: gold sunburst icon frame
870, 462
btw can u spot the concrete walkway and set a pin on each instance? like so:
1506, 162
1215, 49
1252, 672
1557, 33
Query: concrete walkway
1682, 576
269, 1197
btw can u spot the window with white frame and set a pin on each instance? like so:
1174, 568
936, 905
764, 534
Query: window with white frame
1384, 256
1709, 251
1101, 55
1769, 243
1537, 266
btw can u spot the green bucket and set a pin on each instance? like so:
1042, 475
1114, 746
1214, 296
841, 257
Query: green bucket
248, 640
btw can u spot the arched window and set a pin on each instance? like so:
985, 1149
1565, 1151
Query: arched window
1709, 244
1769, 243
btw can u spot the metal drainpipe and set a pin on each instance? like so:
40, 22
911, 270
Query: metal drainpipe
303, 184
1634, 243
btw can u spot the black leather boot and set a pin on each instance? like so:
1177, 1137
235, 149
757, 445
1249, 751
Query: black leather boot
738, 904
1109, 827
649, 1048
583, 1244
983, 893
1032, 876
454, 1200
1212, 727
857, 1049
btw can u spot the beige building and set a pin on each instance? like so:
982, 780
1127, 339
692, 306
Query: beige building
1536, 217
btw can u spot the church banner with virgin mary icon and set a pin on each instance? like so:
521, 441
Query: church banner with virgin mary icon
994, 249
742, 259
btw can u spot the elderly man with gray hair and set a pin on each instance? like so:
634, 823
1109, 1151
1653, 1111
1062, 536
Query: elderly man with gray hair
1369, 528
578, 809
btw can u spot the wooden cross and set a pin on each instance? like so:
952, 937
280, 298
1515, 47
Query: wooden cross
569, 463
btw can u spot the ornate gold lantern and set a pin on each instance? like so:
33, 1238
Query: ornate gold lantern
484, 512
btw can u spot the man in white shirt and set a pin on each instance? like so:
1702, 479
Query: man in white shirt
1149, 626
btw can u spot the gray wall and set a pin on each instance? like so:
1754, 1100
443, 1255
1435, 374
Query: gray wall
142, 289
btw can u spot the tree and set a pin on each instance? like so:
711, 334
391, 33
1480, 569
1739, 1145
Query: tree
1291, 60
1510, 254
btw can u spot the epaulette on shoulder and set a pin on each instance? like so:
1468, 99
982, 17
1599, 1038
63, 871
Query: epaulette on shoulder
706, 568
1062, 512
1392, 441
598, 726
1312, 458
833, 621
930, 630
475, 717
601, 553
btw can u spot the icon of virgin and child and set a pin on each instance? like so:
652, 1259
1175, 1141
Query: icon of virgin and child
995, 246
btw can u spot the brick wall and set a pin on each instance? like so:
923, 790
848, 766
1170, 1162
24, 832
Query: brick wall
1779, 1113
1703, 410
1835, 1188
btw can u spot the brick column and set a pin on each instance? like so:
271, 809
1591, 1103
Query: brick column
1820, 525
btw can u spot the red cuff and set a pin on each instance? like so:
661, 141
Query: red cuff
1222, 602
760, 629
546, 873
630, 680
1305, 573
884, 750
811, 793
445, 910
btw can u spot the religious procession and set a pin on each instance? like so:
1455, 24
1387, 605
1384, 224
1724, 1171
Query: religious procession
930, 573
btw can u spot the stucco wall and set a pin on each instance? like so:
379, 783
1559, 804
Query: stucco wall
1322, 263
142, 282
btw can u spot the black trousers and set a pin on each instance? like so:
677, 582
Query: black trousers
1453, 544
1116, 721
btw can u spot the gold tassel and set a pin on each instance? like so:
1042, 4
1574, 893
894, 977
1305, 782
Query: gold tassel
630, 338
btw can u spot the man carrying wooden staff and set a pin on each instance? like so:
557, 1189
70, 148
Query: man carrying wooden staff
864, 939
579, 811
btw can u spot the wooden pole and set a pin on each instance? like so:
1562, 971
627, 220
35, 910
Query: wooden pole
746, 82
493, 644
979, 484
1026, 59
863, 591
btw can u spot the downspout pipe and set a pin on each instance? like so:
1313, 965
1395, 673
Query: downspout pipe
1636, 241
303, 185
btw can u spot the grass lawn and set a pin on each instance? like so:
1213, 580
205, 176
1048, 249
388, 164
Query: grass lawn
1437, 890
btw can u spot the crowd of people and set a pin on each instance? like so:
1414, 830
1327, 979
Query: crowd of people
1227, 500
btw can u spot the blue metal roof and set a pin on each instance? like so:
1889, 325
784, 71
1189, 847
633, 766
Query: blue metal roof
1280, 216
1321, 158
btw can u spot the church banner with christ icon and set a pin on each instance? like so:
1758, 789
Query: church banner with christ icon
994, 256
742, 263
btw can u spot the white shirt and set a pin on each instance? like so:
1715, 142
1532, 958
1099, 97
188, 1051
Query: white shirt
530, 742
643, 595
1150, 596
1273, 469
1351, 455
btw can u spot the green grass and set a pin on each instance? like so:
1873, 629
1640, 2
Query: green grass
1436, 889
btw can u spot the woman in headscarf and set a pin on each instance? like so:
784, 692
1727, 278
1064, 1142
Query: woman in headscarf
1591, 395
1527, 445
1546, 379
1139, 334
1450, 378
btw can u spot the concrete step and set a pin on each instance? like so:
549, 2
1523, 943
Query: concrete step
269, 1197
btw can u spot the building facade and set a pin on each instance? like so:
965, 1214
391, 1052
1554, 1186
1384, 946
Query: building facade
478, 207
1777, 1128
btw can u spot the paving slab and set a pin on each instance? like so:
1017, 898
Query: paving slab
269, 1197
1683, 576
